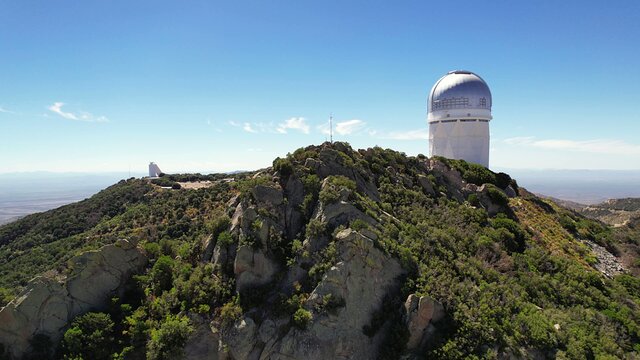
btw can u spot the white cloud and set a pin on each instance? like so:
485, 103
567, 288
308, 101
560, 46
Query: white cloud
247, 127
214, 125
80, 116
599, 146
294, 123
349, 126
519, 140
3, 110
418, 134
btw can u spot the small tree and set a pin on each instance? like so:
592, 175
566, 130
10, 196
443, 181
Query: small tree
168, 341
90, 336
301, 318
162, 274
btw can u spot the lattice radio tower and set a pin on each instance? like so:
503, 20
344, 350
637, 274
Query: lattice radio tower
331, 128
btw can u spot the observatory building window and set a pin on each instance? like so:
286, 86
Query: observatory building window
483, 102
451, 103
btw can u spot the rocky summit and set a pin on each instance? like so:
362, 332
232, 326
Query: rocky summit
331, 253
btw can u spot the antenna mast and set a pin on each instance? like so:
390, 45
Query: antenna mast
331, 128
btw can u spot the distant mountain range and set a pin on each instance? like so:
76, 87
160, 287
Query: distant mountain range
30, 192
330, 253
581, 186
616, 212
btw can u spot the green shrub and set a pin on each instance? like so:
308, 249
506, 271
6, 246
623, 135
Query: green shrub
330, 304
167, 342
473, 200
315, 228
301, 318
5, 296
335, 184
231, 311
91, 336
359, 224
502, 180
478, 174
497, 196
283, 166
162, 274
510, 233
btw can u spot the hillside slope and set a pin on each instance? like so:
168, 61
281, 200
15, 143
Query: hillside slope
330, 253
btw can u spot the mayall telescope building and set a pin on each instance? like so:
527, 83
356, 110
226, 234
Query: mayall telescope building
459, 111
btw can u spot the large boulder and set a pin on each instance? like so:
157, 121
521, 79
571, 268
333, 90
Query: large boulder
243, 218
421, 312
293, 220
241, 338
340, 213
253, 268
47, 305
450, 178
267, 195
203, 343
208, 245
426, 185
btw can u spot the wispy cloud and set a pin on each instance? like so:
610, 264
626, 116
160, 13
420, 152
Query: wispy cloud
349, 127
3, 110
79, 116
294, 123
248, 128
600, 146
214, 125
417, 134
346, 127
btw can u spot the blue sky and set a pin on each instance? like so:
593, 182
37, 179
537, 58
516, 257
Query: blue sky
217, 86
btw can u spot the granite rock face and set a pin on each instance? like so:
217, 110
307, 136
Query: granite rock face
253, 268
421, 312
359, 281
48, 305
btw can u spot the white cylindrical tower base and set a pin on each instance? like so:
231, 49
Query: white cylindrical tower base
460, 139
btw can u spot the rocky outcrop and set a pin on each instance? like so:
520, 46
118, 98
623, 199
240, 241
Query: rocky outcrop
490, 203
450, 178
332, 163
360, 280
342, 212
203, 342
426, 185
240, 340
47, 305
607, 263
293, 219
253, 268
267, 195
421, 312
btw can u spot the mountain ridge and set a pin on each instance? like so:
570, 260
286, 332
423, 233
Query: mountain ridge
334, 252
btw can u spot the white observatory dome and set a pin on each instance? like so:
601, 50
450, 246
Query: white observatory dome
459, 94
459, 111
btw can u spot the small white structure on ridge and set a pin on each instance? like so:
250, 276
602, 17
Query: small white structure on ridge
459, 111
154, 170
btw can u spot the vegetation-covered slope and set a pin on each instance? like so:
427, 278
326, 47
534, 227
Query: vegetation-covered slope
266, 262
